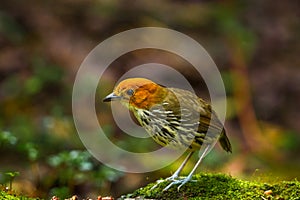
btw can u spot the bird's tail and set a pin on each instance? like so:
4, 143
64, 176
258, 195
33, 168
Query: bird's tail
224, 141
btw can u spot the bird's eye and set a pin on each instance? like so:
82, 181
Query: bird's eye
129, 92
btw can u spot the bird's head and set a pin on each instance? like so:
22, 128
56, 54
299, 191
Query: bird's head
137, 92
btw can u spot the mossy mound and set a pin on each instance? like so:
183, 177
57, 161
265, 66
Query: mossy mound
220, 186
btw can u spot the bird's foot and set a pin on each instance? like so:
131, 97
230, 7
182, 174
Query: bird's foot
181, 182
171, 178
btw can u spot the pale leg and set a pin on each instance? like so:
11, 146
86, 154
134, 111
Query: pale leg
189, 177
177, 172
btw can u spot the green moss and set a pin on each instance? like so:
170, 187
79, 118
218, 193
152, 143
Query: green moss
8, 195
220, 186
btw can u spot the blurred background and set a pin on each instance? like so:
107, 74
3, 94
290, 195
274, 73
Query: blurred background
255, 45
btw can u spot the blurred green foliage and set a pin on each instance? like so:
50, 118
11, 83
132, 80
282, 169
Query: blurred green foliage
6, 138
8, 178
12, 30
78, 168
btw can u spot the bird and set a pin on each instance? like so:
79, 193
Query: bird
173, 117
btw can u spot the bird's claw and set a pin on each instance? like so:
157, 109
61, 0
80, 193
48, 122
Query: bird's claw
171, 178
157, 183
181, 182
174, 181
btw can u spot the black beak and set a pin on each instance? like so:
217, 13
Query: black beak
111, 97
